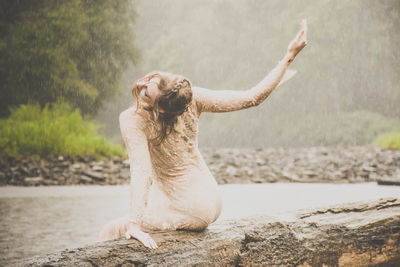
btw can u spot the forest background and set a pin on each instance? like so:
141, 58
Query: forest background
90, 53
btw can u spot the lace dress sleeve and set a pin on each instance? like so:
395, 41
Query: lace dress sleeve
140, 163
230, 100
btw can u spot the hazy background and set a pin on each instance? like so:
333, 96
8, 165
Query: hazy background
346, 90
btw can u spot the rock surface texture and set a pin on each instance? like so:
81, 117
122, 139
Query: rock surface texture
228, 165
355, 234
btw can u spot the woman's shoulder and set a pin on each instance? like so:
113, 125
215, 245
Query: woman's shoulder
197, 91
131, 118
196, 94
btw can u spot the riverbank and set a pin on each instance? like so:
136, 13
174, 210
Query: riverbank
228, 165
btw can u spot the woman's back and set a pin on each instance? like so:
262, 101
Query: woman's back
182, 192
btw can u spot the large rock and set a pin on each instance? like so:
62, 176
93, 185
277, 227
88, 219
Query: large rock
357, 234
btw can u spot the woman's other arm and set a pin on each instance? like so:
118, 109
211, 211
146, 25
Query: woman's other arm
140, 171
230, 100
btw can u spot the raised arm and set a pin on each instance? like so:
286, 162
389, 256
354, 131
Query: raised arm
141, 173
230, 100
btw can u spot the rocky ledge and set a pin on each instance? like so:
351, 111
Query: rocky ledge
229, 165
355, 234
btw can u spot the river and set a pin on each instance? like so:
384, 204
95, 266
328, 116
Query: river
40, 220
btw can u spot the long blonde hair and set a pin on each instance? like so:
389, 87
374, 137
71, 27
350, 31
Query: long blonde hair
174, 99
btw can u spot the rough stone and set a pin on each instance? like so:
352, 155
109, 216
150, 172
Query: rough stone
97, 168
86, 179
228, 165
95, 175
76, 166
33, 179
389, 181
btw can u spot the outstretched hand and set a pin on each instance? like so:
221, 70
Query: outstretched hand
144, 238
300, 41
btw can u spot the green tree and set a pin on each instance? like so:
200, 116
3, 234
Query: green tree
75, 49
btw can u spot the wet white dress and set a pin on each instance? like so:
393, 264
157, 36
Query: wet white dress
171, 185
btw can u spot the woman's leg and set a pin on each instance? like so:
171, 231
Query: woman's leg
193, 223
117, 228
114, 229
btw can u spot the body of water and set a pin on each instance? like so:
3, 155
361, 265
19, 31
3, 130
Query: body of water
40, 220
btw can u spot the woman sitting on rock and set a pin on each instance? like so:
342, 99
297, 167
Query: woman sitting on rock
171, 185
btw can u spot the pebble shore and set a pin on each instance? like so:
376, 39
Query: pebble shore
228, 165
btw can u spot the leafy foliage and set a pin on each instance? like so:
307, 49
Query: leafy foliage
75, 49
55, 130
391, 140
